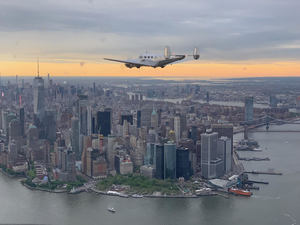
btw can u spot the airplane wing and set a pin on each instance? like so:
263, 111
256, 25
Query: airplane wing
170, 60
132, 62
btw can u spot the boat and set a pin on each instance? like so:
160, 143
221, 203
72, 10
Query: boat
242, 192
137, 196
111, 209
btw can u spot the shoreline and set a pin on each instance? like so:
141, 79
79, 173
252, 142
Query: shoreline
98, 192
10, 175
42, 189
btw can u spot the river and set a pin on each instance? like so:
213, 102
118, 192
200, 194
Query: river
276, 203
222, 103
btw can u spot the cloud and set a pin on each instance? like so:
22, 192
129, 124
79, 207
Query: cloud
90, 29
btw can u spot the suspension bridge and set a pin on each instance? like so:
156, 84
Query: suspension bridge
267, 120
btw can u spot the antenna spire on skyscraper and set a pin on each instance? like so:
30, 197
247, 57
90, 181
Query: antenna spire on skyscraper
38, 67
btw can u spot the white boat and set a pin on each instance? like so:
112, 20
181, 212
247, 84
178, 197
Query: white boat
111, 209
137, 196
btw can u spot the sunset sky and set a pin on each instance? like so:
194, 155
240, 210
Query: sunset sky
236, 38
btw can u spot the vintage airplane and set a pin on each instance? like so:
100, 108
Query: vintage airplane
155, 60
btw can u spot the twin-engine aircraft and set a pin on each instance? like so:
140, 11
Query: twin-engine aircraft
155, 60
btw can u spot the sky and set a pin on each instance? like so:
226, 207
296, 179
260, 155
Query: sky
236, 38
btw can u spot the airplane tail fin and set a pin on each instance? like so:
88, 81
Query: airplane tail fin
196, 54
167, 52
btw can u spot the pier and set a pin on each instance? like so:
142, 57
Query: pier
253, 159
256, 182
263, 172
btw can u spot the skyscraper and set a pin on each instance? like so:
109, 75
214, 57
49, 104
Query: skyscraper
224, 152
83, 114
177, 127
169, 160
248, 109
75, 137
22, 120
159, 161
146, 112
225, 130
104, 122
111, 140
149, 158
50, 125
154, 119
210, 163
183, 163
138, 118
129, 119
38, 97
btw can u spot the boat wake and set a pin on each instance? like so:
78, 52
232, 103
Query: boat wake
266, 197
291, 218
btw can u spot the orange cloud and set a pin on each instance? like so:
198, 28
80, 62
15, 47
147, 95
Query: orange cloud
202, 69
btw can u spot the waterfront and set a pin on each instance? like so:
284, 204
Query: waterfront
276, 203
222, 103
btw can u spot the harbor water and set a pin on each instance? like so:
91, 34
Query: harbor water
276, 203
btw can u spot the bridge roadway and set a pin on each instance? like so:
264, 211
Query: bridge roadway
253, 127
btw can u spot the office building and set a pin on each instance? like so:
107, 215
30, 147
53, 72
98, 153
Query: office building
249, 109
177, 128
159, 161
75, 137
273, 101
110, 154
38, 97
154, 119
149, 158
170, 160
123, 164
183, 163
210, 163
104, 122
128, 118
182, 124
22, 120
138, 118
83, 114
224, 153
225, 130
147, 171
146, 112
50, 125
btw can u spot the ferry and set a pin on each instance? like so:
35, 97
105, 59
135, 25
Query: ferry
111, 209
242, 192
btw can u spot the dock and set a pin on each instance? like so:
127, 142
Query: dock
263, 172
254, 159
256, 182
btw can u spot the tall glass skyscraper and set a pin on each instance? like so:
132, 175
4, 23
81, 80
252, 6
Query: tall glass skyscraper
159, 161
170, 160
104, 122
38, 97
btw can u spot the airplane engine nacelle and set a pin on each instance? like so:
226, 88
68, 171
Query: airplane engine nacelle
167, 52
128, 65
196, 54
